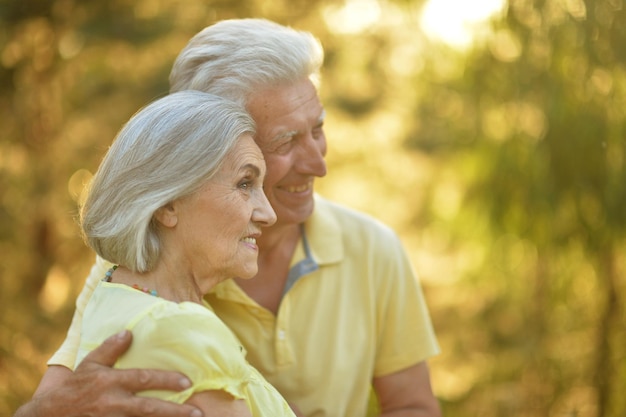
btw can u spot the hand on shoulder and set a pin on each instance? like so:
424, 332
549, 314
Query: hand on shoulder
96, 389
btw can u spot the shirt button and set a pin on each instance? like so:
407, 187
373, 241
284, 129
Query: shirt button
281, 334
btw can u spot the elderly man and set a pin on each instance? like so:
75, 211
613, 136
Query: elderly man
335, 311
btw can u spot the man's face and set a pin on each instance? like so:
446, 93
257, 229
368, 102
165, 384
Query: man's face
290, 134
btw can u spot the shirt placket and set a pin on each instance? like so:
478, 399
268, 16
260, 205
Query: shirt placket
282, 336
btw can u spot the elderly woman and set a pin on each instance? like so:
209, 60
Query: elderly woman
177, 204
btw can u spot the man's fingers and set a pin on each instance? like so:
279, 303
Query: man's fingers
110, 350
136, 380
132, 380
118, 386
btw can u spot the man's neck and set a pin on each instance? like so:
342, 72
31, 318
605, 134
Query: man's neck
276, 248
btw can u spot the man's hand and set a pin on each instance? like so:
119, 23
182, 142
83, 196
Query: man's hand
94, 389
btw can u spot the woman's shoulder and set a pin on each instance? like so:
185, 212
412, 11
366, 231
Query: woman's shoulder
151, 317
194, 332
200, 327
188, 338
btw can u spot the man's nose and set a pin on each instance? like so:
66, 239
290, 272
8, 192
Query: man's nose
311, 155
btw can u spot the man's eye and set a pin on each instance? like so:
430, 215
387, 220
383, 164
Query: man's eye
318, 132
283, 147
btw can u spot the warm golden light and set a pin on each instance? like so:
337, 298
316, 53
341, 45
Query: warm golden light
459, 23
354, 17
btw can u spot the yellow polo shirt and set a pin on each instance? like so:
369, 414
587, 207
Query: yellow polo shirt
358, 312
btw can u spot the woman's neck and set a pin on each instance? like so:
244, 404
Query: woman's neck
167, 282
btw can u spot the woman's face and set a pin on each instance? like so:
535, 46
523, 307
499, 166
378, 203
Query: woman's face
216, 228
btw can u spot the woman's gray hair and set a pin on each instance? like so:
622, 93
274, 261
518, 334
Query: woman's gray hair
167, 150
234, 58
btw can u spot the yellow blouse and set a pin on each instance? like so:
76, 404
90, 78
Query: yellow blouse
184, 337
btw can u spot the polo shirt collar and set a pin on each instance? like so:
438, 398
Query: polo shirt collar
323, 233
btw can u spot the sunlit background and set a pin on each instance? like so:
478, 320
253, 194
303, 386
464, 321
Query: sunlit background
490, 134
460, 24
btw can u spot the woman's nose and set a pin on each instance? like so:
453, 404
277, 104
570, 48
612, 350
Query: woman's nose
264, 214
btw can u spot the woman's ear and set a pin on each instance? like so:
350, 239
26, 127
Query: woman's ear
167, 215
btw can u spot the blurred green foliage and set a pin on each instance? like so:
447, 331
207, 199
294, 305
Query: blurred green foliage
501, 165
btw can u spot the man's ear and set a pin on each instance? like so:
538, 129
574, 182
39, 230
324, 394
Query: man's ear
167, 215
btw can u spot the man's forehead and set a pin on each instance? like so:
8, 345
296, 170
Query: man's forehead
269, 133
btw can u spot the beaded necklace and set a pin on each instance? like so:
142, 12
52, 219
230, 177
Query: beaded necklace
109, 273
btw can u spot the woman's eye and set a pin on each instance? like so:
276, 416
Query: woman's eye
245, 185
